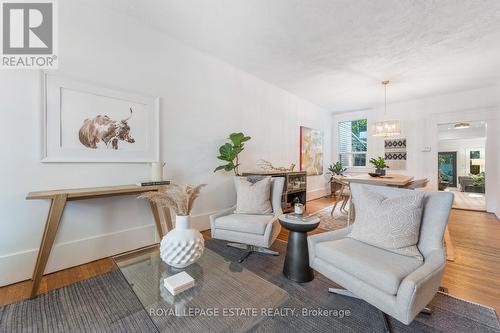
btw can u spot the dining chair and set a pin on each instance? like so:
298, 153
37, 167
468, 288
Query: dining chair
343, 195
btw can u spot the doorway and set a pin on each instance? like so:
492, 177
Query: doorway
461, 163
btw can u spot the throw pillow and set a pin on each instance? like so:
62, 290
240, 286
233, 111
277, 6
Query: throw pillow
253, 198
391, 223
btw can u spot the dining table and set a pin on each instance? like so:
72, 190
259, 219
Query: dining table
390, 180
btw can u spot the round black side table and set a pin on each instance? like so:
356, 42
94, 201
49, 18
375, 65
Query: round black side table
296, 266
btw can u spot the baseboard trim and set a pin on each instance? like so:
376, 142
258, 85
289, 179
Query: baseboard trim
317, 193
19, 266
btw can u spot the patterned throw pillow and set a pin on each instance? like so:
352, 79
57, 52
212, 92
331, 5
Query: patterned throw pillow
253, 198
391, 223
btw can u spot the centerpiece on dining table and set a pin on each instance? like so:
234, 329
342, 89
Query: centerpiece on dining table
380, 166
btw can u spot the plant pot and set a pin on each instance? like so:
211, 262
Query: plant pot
182, 246
380, 172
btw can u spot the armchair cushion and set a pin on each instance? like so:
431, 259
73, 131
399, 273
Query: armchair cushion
253, 197
252, 224
390, 223
377, 267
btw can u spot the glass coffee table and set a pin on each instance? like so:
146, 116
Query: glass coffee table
226, 297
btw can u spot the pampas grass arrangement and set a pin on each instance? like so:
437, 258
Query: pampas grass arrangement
179, 198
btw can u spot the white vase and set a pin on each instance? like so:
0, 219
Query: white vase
182, 246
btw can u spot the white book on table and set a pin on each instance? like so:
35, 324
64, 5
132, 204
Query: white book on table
178, 283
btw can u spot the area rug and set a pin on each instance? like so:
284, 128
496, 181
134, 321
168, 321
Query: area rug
107, 304
102, 304
328, 221
450, 314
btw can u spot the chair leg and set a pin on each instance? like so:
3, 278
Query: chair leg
343, 292
249, 249
244, 256
427, 310
266, 251
387, 325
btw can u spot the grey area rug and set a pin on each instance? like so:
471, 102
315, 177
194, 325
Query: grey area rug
450, 314
102, 304
107, 304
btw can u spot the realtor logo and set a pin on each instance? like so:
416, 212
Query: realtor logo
28, 34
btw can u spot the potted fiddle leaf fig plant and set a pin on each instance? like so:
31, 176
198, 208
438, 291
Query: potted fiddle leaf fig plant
379, 164
229, 152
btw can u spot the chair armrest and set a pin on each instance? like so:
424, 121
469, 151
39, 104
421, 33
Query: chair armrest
221, 213
325, 237
420, 286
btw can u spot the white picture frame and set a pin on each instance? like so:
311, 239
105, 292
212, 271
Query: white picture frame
126, 131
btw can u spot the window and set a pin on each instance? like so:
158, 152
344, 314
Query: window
353, 142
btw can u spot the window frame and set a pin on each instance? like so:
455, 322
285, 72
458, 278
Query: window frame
352, 153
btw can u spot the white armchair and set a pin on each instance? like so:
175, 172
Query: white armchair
251, 233
397, 285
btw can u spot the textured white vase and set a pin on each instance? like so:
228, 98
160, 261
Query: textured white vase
182, 246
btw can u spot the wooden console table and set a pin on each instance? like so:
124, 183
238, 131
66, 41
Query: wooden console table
58, 202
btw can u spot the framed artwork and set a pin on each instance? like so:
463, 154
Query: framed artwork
311, 151
87, 123
395, 153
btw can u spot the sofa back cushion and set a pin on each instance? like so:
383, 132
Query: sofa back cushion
390, 223
253, 197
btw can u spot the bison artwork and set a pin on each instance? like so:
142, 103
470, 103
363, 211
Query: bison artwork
105, 129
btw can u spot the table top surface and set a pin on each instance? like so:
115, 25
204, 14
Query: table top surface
287, 219
388, 180
93, 191
219, 284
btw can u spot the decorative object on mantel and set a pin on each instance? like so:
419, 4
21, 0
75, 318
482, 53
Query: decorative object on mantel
395, 153
311, 151
268, 166
386, 128
157, 171
87, 123
380, 165
183, 245
229, 152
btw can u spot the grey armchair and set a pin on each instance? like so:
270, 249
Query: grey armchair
251, 233
397, 285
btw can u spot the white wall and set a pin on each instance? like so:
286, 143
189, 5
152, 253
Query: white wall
462, 147
420, 120
202, 101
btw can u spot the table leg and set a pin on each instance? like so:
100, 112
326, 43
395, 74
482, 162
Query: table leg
168, 218
156, 217
296, 267
450, 250
49, 234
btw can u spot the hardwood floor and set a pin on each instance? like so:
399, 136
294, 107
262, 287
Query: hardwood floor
473, 276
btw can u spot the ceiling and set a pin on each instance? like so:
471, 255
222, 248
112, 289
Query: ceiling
475, 130
334, 53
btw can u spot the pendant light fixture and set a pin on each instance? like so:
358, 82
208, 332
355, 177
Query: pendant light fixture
386, 128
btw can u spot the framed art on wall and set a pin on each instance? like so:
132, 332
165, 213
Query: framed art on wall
87, 123
311, 151
395, 153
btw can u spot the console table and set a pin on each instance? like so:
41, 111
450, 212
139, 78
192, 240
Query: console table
58, 202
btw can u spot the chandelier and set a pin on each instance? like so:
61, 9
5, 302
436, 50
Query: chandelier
386, 128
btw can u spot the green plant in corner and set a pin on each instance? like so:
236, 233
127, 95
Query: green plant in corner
336, 169
229, 152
